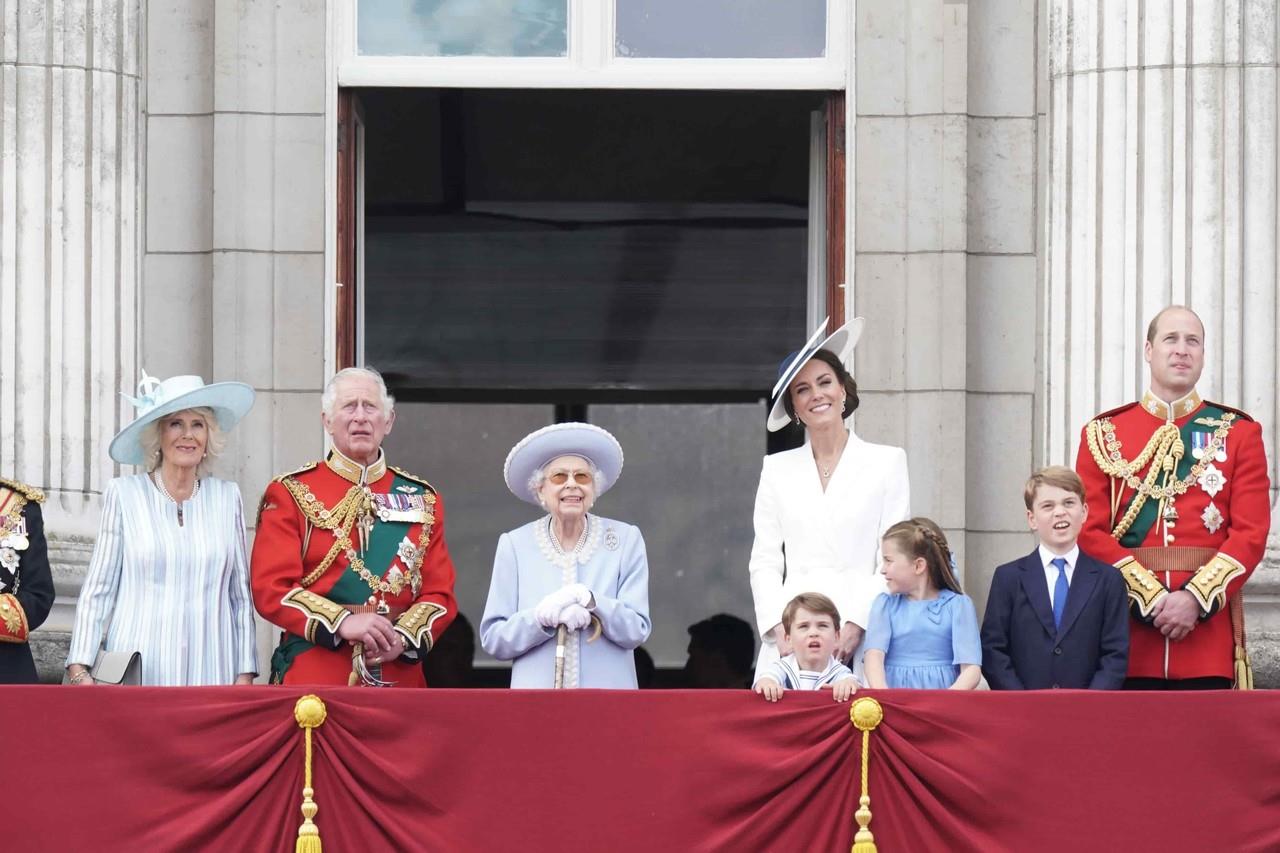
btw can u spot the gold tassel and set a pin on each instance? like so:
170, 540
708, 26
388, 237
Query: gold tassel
1244, 670
310, 714
357, 652
865, 715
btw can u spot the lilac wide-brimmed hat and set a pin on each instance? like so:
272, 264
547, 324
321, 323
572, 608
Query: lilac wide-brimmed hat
539, 447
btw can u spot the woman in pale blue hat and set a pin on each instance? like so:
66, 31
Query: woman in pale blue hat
822, 508
168, 578
571, 580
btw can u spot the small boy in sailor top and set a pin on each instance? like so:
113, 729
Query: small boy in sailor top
810, 623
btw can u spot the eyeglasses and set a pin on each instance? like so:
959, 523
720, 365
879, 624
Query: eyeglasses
559, 478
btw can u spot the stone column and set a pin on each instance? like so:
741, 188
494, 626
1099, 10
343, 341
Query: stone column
1162, 189
69, 179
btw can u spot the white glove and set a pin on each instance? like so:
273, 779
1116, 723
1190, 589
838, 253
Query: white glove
575, 617
548, 610
581, 594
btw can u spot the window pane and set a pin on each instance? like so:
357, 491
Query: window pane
689, 484
602, 242
721, 29
463, 28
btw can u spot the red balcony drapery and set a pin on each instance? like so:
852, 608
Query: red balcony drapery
221, 768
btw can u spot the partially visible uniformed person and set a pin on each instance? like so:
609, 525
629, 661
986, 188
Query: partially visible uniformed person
350, 559
1178, 498
26, 584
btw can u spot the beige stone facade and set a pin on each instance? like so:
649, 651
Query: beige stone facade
1029, 182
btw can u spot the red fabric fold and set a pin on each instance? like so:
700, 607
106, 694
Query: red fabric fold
205, 768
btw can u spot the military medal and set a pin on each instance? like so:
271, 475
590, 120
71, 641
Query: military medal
8, 557
408, 553
406, 508
1212, 518
1211, 480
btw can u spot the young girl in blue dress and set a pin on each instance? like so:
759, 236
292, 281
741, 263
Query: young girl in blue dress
923, 632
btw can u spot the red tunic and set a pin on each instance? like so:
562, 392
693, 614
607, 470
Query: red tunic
1225, 510
292, 591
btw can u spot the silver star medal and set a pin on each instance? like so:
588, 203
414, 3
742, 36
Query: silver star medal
1212, 518
9, 557
1211, 480
408, 552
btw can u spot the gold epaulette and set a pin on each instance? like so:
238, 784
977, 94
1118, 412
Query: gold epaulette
31, 493
414, 477
310, 466
1237, 412
1145, 589
1117, 410
1209, 583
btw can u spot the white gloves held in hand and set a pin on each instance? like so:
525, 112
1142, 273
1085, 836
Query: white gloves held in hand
553, 609
575, 617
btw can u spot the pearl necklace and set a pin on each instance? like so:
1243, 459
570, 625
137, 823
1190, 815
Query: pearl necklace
555, 540
158, 479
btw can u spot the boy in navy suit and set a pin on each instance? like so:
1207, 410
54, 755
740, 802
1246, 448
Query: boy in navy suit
1057, 617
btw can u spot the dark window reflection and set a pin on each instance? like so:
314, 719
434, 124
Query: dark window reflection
535, 243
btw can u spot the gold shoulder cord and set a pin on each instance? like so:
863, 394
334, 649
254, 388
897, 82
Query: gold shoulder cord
1164, 450
340, 520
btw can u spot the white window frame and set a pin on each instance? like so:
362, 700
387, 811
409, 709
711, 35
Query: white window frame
591, 62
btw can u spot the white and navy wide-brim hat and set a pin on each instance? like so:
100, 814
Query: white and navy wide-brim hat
840, 342
541, 446
230, 401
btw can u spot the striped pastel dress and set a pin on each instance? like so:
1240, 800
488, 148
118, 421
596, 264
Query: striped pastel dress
179, 595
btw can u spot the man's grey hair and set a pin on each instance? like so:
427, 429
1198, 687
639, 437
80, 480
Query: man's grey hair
331, 388
539, 476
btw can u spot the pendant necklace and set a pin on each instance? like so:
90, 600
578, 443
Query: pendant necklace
158, 479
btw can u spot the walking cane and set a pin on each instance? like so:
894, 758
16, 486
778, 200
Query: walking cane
562, 637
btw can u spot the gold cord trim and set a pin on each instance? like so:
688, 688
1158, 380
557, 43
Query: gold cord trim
1164, 450
1209, 583
310, 714
865, 715
354, 505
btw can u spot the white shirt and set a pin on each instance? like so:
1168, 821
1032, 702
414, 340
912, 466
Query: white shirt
1051, 571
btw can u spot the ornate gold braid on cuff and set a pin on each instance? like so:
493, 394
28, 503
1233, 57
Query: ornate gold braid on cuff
415, 624
1145, 589
1209, 583
13, 620
318, 610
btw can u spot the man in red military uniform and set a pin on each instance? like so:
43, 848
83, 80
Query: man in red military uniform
1177, 489
350, 557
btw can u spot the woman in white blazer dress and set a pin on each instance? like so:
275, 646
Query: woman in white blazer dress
822, 508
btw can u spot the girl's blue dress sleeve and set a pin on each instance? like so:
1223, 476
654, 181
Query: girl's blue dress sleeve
966, 646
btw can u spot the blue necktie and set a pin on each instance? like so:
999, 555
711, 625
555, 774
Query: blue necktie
1059, 591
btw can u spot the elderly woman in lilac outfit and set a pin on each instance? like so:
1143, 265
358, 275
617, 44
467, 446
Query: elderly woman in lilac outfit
568, 568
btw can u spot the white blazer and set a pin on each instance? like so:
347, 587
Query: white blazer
831, 538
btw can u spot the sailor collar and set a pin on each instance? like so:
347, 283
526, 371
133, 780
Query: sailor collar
353, 471
1171, 411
